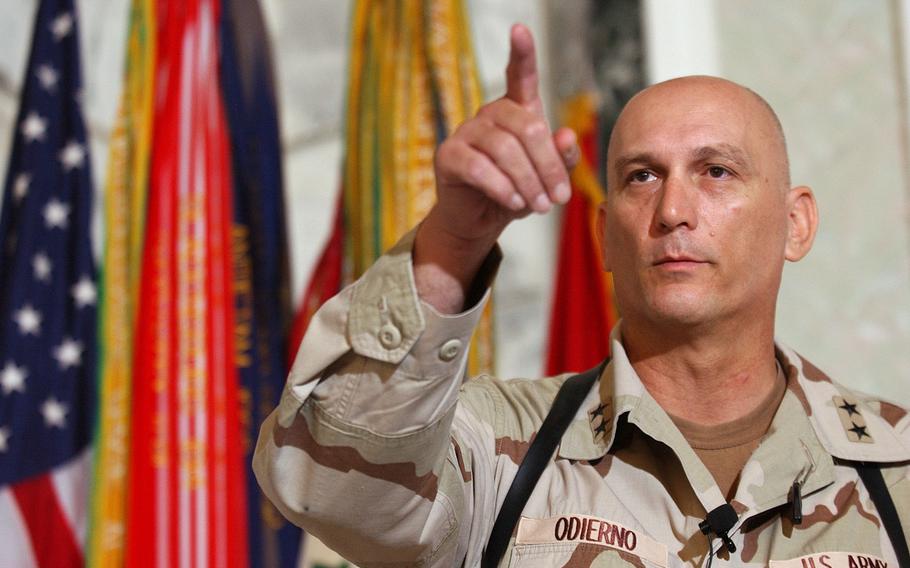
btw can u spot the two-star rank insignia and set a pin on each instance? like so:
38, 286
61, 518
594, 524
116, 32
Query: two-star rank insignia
852, 420
601, 421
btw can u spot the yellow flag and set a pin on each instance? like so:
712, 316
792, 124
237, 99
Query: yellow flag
124, 222
412, 81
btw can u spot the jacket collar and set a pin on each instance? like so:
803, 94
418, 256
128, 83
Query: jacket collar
850, 426
809, 429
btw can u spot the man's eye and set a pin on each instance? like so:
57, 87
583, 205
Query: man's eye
642, 176
718, 172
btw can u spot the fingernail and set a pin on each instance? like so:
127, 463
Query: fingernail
517, 202
562, 192
542, 203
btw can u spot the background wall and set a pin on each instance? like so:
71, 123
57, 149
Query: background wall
834, 70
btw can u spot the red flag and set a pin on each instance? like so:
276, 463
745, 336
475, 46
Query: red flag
186, 488
583, 312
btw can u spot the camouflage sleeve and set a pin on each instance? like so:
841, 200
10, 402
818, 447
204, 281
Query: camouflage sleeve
897, 478
360, 450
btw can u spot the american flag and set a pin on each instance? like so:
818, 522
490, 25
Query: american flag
48, 300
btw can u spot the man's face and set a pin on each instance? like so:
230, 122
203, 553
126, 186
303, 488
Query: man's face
695, 223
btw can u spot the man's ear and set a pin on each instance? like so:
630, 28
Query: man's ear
802, 222
601, 235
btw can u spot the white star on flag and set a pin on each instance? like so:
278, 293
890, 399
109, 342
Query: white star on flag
62, 25
47, 76
29, 320
47, 364
72, 155
54, 413
20, 186
84, 292
12, 378
42, 266
33, 127
56, 214
69, 353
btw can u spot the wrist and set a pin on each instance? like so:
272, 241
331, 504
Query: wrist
446, 264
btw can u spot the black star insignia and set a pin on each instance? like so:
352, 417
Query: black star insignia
860, 431
850, 408
599, 411
602, 429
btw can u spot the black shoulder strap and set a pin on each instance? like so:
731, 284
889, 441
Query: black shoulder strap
871, 474
568, 399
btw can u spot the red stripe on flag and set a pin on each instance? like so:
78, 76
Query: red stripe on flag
226, 488
53, 541
152, 516
579, 323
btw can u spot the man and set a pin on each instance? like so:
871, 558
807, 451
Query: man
378, 448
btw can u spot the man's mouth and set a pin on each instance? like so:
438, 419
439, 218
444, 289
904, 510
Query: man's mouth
677, 258
679, 262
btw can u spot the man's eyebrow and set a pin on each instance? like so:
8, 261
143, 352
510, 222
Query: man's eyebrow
727, 151
722, 150
636, 158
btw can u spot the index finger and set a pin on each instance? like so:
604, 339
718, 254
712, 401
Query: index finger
521, 73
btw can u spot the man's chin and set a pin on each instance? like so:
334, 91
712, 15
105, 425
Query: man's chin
680, 310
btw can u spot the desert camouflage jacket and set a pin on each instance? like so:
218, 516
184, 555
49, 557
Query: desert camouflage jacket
378, 449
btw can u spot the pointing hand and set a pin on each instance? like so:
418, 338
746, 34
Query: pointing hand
500, 165
505, 162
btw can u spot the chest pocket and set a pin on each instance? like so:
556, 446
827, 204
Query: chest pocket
572, 555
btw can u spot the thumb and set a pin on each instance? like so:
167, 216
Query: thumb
566, 142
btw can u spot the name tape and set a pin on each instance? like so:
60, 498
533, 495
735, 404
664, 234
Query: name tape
832, 560
591, 530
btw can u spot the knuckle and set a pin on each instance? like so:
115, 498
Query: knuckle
499, 190
462, 131
443, 154
528, 180
512, 70
534, 129
487, 110
532, 185
474, 170
556, 174
508, 145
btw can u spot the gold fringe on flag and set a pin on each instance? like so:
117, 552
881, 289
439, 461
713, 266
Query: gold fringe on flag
124, 224
412, 81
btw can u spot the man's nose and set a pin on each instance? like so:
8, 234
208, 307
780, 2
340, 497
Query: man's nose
676, 205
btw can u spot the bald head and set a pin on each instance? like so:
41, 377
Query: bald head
698, 101
699, 217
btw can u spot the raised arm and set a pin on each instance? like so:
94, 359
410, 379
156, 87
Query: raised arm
366, 449
497, 167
